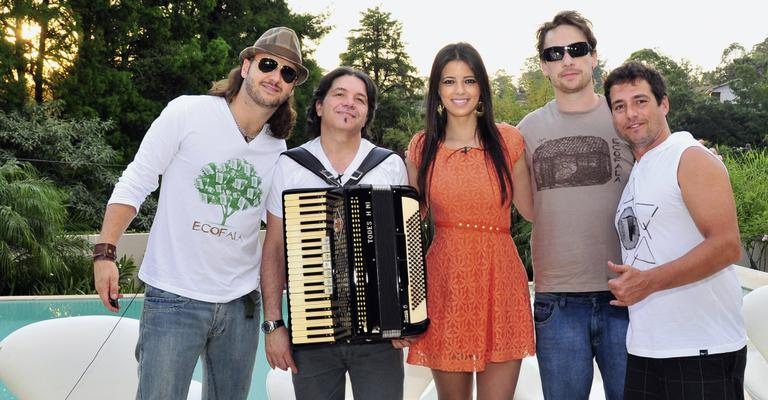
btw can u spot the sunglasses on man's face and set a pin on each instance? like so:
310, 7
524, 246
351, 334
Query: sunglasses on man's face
556, 53
267, 65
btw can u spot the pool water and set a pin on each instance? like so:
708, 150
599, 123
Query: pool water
15, 314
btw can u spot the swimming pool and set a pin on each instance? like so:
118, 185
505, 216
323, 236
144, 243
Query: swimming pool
16, 312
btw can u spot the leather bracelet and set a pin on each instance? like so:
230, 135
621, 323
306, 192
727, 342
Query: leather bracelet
104, 251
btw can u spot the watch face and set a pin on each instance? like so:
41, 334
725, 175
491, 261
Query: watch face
270, 326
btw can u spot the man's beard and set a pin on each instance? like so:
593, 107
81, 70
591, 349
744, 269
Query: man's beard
261, 100
583, 83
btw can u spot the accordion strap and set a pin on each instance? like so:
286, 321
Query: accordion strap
304, 158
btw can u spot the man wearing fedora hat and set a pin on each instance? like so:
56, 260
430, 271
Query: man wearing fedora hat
216, 154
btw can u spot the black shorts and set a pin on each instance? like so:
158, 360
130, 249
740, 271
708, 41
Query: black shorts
710, 377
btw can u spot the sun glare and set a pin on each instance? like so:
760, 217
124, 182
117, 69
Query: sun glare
30, 31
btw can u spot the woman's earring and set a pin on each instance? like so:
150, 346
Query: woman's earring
480, 109
440, 110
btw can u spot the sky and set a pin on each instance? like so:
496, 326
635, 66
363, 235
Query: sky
504, 31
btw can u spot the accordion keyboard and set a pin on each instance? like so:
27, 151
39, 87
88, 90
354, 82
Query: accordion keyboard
308, 255
355, 264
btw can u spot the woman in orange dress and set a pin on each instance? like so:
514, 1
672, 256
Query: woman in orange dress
469, 170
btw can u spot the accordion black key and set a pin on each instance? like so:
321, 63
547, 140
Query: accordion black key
355, 264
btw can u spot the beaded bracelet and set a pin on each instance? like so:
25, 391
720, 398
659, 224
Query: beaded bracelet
104, 251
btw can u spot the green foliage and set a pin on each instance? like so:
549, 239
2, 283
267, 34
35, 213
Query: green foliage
682, 81
12, 92
748, 170
134, 56
302, 95
33, 57
535, 87
521, 234
397, 138
733, 124
71, 153
729, 124
34, 251
377, 49
509, 103
747, 74
127, 281
37, 257
234, 185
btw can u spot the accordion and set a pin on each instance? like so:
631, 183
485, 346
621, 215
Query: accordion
355, 264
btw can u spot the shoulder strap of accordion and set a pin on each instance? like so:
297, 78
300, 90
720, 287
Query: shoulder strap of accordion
310, 162
374, 158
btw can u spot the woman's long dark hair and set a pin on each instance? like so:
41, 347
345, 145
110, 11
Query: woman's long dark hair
488, 133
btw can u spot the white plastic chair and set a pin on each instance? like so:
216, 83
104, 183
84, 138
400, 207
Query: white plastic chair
44, 360
755, 312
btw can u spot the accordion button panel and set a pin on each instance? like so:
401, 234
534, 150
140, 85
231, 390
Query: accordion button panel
417, 295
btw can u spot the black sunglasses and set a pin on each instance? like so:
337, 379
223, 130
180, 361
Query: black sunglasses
267, 65
556, 53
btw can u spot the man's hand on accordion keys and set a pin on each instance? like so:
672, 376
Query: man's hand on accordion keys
277, 346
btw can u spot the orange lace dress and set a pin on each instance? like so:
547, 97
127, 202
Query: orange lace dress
478, 300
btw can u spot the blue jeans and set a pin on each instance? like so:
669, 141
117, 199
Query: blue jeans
375, 369
572, 329
174, 331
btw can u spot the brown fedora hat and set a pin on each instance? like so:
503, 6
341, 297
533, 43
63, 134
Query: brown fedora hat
281, 42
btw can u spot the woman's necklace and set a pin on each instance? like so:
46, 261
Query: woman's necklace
465, 146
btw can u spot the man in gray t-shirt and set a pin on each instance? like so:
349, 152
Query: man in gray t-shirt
579, 168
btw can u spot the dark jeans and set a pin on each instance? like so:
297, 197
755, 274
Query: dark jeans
572, 329
710, 377
375, 371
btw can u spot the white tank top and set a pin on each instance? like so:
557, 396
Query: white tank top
655, 227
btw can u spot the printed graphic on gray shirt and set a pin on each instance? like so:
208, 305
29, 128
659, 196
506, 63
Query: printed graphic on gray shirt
572, 161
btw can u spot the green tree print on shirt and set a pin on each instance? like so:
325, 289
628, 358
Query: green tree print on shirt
233, 185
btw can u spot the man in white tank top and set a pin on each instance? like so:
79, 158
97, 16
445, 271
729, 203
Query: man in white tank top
679, 234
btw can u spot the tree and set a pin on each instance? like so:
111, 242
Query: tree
13, 94
135, 56
71, 153
731, 53
506, 99
377, 49
684, 85
110, 67
13, 46
535, 87
748, 172
729, 124
43, 42
33, 247
598, 76
747, 74
682, 79
735, 124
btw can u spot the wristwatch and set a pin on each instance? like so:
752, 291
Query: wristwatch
269, 326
